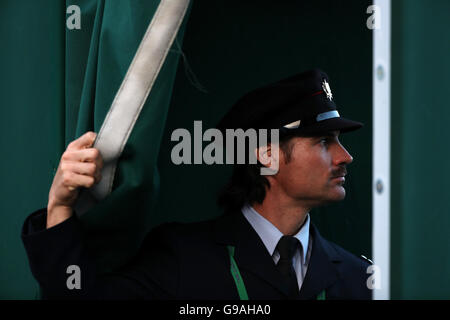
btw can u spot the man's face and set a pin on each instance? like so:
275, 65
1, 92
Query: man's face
315, 171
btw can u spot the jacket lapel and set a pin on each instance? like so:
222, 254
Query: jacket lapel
250, 253
322, 272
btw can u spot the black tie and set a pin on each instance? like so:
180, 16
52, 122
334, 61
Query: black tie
287, 247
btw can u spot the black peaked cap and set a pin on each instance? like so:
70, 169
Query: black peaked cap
301, 104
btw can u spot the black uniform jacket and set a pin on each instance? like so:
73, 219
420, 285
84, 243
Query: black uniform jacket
187, 261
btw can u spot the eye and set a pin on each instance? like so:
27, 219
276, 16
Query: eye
325, 141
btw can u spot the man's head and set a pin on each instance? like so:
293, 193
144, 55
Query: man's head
312, 162
312, 169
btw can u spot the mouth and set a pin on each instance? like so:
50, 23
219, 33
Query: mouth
340, 178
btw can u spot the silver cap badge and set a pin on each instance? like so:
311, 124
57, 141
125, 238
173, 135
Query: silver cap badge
326, 88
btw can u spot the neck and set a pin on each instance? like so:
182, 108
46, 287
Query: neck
287, 216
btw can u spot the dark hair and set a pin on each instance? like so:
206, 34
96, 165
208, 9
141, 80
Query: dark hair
246, 184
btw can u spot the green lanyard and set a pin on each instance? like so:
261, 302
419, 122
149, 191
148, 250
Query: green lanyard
321, 296
242, 291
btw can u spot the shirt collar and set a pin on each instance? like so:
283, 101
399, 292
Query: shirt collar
270, 235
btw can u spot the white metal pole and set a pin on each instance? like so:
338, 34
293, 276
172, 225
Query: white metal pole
381, 147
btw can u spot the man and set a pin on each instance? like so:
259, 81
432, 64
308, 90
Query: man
263, 247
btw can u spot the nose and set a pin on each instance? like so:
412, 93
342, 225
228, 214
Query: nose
342, 156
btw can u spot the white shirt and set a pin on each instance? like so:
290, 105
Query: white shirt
270, 236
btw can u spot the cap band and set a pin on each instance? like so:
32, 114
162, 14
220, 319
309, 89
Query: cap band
327, 115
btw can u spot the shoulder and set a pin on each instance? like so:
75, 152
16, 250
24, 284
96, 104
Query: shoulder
353, 271
338, 254
349, 259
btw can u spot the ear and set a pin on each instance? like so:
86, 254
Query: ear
268, 156
264, 155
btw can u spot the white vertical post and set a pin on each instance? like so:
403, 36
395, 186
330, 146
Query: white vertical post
381, 146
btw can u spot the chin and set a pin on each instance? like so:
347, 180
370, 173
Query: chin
338, 194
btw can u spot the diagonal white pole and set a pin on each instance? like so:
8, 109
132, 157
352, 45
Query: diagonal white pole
133, 92
381, 148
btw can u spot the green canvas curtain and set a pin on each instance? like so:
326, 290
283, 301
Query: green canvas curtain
118, 27
58, 83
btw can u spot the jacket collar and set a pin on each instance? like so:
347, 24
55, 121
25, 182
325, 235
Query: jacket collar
251, 255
